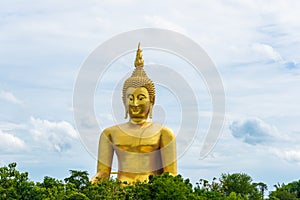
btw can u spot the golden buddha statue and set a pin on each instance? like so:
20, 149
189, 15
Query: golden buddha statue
142, 147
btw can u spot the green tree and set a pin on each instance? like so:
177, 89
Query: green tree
50, 188
282, 195
80, 179
294, 187
234, 196
290, 191
14, 184
167, 187
140, 190
74, 195
239, 183
208, 190
262, 187
106, 189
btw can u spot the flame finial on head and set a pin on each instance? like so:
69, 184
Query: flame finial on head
139, 61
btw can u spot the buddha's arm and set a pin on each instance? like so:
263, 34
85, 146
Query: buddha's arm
105, 156
168, 151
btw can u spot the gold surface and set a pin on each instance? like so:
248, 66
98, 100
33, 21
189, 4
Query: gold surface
139, 61
142, 147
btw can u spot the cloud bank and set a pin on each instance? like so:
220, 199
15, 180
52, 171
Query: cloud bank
253, 131
9, 97
56, 136
11, 143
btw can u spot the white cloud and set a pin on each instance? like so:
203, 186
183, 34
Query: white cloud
292, 156
11, 143
267, 139
253, 131
161, 22
266, 51
10, 97
8, 126
57, 136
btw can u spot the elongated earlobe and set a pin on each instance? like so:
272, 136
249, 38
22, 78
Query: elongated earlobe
126, 113
150, 111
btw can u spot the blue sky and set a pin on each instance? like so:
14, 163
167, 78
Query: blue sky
255, 46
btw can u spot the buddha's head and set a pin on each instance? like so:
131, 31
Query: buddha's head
138, 92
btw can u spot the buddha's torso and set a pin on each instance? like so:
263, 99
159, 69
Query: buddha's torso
137, 149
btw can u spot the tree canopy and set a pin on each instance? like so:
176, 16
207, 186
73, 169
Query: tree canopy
237, 186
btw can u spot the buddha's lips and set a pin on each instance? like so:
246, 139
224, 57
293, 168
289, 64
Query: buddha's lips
135, 108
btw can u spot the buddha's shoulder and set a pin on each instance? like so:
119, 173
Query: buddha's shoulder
164, 130
112, 129
167, 133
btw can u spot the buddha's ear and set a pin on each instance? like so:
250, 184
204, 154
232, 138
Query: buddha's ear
150, 110
126, 113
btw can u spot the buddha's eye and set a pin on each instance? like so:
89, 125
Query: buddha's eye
141, 97
130, 97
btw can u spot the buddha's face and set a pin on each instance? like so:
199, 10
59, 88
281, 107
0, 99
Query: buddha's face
138, 102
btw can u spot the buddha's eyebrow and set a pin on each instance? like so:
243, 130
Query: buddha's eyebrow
141, 95
128, 95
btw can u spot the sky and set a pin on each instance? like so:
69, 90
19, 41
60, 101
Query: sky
254, 45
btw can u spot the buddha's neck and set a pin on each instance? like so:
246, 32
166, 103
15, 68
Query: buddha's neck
138, 121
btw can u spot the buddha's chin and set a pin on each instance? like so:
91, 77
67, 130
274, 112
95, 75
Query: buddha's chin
137, 116
138, 120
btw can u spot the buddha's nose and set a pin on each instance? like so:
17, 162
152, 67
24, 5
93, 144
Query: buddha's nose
135, 102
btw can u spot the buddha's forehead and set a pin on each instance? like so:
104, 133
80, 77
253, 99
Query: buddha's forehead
137, 91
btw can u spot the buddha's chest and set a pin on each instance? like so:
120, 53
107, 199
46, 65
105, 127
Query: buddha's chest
136, 142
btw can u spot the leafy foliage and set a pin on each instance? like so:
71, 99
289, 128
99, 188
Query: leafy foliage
290, 191
240, 184
16, 185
